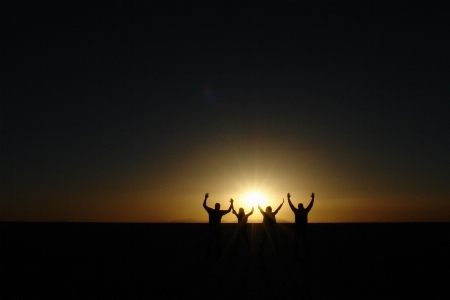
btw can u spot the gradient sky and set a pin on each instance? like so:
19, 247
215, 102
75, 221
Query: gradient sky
130, 112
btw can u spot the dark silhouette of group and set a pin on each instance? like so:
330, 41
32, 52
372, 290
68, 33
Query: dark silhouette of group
269, 225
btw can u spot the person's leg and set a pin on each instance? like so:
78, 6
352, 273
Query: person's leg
271, 237
296, 239
218, 242
210, 241
304, 233
238, 236
244, 233
264, 240
274, 241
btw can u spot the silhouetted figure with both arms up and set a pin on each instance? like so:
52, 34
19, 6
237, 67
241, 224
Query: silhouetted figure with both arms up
242, 227
269, 227
301, 222
215, 216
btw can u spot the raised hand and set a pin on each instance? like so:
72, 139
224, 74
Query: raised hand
312, 195
231, 200
206, 195
289, 195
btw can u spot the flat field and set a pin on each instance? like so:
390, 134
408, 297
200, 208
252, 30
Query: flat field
135, 261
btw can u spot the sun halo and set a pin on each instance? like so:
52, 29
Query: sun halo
255, 198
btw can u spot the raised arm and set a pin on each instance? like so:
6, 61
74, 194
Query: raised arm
250, 213
290, 203
279, 207
310, 205
204, 202
234, 212
260, 209
230, 208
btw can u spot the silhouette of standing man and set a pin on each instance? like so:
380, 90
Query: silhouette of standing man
269, 223
301, 222
215, 216
242, 226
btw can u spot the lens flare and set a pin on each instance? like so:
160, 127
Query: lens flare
255, 198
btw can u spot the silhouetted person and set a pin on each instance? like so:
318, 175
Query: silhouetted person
269, 224
301, 222
215, 216
242, 227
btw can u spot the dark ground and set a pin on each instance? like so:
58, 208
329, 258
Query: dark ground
101, 260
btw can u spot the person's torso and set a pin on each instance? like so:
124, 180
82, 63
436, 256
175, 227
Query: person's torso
242, 219
215, 216
269, 219
301, 216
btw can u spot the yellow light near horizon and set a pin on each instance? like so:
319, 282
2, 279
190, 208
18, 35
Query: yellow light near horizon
255, 198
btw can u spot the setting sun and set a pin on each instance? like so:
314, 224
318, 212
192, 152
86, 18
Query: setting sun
255, 198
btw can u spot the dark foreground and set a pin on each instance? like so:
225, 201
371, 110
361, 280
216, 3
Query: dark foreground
348, 261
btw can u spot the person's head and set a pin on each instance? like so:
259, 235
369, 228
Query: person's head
241, 210
268, 209
300, 206
217, 206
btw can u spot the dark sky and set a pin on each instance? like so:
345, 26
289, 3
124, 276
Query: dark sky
131, 111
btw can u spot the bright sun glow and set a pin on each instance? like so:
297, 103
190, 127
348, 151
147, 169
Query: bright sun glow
254, 199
